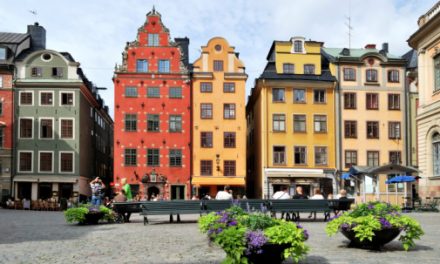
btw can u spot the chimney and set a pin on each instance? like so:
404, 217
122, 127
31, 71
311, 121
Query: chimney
370, 46
385, 47
183, 43
38, 36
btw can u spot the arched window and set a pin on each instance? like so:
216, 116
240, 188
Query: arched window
436, 154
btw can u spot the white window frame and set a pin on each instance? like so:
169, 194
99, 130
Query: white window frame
60, 97
73, 162
19, 127
39, 97
26, 91
39, 128
300, 164
327, 155
52, 163
32, 161
73, 127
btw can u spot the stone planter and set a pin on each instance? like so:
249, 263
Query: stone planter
381, 237
272, 253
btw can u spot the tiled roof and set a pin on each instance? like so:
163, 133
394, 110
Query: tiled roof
411, 59
270, 73
6, 37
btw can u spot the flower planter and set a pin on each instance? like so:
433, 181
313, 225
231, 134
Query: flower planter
380, 238
271, 253
92, 218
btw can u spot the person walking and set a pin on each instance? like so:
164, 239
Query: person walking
97, 185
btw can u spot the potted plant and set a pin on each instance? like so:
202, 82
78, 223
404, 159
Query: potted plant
372, 225
254, 237
88, 214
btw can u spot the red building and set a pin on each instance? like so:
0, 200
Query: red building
152, 113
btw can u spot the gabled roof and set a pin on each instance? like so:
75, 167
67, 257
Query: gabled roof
271, 73
12, 38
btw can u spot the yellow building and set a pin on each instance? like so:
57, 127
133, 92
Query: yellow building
290, 115
219, 122
370, 119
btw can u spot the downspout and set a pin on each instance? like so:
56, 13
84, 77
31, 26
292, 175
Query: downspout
13, 139
408, 134
339, 134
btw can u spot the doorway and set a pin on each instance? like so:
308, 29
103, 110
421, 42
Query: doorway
177, 192
153, 191
44, 190
65, 190
24, 190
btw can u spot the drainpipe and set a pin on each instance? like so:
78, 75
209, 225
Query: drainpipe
408, 124
339, 124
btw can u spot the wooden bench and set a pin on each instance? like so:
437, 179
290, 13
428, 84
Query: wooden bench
252, 205
215, 205
174, 207
338, 205
297, 206
125, 209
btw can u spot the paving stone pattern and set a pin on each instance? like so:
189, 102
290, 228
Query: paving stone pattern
44, 237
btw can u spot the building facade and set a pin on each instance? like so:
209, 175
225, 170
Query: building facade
56, 110
371, 115
291, 126
426, 41
219, 121
153, 113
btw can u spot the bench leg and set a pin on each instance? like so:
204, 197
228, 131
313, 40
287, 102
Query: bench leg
178, 218
171, 218
145, 220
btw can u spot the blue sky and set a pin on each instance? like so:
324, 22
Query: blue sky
95, 31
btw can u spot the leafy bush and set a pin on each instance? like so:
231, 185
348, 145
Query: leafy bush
78, 214
374, 216
241, 234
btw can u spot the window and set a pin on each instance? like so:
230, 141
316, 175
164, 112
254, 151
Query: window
131, 91
288, 68
153, 92
320, 155
153, 157
1, 81
206, 167
349, 101
66, 162
229, 139
395, 157
46, 128
66, 98
309, 69
45, 161
229, 111
436, 73
229, 168
279, 155
57, 72
229, 87
372, 158
349, 74
372, 101
350, 158
25, 160
175, 92
206, 111
394, 102
372, 129
2, 53
206, 87
218, 65
300, 156
393, 76
394, 130
66, 128
279, 122
2, 138
319, 96
320, 123
164, 66
153, 40
46, 98
26, 98
130, 157
153, 123
436, 154
175, 123
350, 129
299, 96
206, 139
141, 66
130, 122
278, 95
26, 127
371, 75
298, 46
175, 158
36, 72
299, 123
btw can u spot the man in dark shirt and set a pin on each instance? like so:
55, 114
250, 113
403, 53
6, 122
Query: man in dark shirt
299, 193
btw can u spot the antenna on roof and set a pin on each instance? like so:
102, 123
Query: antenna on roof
348, 24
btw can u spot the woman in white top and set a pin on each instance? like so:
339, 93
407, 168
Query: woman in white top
316, 196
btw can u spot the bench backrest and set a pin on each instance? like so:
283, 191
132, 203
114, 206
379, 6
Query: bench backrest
172, 206
340, 204
129, 207
216, 205
299, 205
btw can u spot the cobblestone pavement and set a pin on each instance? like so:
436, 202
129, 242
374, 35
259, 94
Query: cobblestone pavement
44, 237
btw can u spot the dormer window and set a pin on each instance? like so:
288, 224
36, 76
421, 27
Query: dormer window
2, 53
36, 72
57, 72
153, 40
309, 69
288, 68
298, 46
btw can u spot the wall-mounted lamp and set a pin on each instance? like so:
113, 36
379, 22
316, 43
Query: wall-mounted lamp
117, 142
117, 106
164, 141
142, 141
142, 105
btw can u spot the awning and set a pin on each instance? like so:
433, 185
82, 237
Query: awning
42, 178
398, 179
384, 169
296, 173
346, 176
212, 180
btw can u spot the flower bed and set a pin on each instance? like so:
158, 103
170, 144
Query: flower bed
374, 224
88, 214
254, 237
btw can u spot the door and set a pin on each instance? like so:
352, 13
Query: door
177, 192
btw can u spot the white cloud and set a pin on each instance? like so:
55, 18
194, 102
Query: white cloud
95, 32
